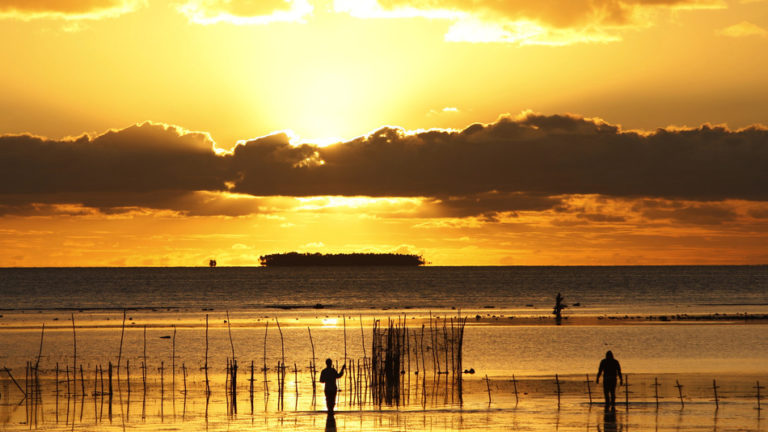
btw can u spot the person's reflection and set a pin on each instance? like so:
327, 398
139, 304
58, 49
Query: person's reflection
609, 422
330, 422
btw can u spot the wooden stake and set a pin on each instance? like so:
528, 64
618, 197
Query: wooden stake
557, 382
362, 335
680, 392
74, 350
82, 380
514, 385
714, 388
758, 387
40, 352
229, 329
205, 366
8, 371
184, 376
589, 389
264, 369
626, 390
173, 362
656, 390
120, 351
488, 385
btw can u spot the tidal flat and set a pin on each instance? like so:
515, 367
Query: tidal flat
529, 374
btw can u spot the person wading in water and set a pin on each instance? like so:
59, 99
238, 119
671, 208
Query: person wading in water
610, 369
329, 376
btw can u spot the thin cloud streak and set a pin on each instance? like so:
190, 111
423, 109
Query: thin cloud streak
26, 10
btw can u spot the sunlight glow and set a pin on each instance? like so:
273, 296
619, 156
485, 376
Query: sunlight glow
330, 322
207, 12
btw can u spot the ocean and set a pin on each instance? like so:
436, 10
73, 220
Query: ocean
687, 325
674, 289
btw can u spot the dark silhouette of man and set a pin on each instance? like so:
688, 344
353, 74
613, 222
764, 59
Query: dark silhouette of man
610, 369
329, 376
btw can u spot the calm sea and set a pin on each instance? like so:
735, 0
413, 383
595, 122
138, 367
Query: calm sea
677, 289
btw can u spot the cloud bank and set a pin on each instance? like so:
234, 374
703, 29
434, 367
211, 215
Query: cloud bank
66, 9
547, 22
529, 162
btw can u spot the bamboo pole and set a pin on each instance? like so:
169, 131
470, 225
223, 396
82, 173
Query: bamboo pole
144, 364
626, 390
312, 366
205, 366
173, 362
8, 371
40, 352
514, 385
680, 392
120, 350
74, 350
488, 385
82, 380
231, 343
264, 369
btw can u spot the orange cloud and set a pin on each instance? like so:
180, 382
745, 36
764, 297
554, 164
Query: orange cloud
70, 9
547, 22
743, 29
244, 12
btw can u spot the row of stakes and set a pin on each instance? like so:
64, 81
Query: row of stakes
626, 386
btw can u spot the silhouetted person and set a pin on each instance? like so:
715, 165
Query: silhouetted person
329, 376
609, 369
330, 422
559, 306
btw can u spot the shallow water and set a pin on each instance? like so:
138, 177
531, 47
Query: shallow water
173, 303
536, 409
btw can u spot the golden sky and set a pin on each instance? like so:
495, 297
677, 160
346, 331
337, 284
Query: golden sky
477, 132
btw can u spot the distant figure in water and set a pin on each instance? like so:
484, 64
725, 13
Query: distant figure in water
558, 309
610, 369
329, 376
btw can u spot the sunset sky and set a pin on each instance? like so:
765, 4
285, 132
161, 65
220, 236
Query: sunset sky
473, 132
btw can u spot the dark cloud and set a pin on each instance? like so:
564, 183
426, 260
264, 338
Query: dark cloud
600, 217
535, 155
513, 164
759, 213
140, 159
686, 213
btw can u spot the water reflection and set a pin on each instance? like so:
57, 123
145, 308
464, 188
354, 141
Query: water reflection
609, 422
330, 422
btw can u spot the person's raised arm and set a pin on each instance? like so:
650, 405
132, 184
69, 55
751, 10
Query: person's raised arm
341, 374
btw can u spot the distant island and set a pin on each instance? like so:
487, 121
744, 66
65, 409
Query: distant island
295, 259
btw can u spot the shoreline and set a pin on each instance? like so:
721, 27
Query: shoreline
166, 318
